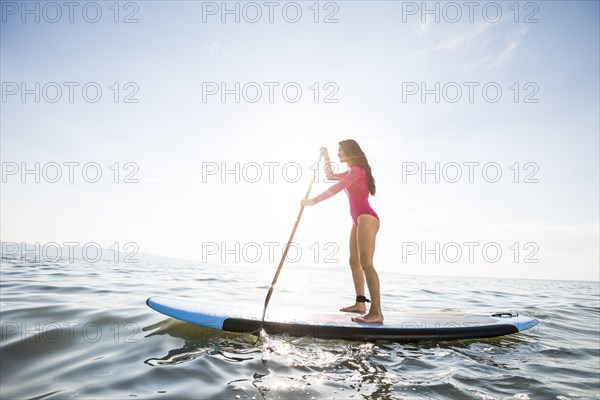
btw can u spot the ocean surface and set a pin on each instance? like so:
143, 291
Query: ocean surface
79, 330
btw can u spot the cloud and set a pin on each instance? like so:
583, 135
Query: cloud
481, 45
512, 43
467, 39
216, 49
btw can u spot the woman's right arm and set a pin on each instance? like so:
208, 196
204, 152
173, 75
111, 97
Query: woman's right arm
332, 176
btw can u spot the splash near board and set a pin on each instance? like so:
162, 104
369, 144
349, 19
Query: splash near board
398, 327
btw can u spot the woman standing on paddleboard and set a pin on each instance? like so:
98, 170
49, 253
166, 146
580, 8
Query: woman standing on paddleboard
358, 183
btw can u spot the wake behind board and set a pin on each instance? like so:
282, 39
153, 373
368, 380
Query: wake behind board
397, 327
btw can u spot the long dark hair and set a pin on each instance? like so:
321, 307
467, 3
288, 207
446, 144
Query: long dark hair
353, 151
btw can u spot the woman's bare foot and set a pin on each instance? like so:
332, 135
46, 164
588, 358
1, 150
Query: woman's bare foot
370, 318
356, 308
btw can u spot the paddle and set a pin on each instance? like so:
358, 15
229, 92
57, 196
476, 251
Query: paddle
287, 246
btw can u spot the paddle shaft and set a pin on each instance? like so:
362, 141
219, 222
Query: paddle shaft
287, 246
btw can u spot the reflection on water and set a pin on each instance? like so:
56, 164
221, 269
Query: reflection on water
314, 368
197, 341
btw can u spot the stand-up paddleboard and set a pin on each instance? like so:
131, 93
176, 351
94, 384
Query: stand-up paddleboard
398, 327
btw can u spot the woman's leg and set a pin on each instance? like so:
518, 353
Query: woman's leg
357, 275
366, 232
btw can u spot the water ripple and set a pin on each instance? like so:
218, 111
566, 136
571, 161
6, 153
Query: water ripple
75, 330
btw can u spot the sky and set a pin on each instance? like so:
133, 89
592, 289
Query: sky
191, 129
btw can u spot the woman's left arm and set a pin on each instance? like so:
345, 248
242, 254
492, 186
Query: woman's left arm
352, 176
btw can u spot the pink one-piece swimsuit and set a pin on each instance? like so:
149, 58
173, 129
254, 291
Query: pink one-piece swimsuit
354, 182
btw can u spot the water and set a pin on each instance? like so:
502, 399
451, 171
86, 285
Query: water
81, 330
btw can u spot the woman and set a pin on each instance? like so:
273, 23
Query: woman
358, 182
